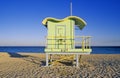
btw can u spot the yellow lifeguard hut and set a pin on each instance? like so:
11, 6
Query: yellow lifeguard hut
61, 37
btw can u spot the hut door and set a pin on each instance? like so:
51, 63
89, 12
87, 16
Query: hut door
60, 37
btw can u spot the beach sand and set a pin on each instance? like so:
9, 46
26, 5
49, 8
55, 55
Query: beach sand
32, 65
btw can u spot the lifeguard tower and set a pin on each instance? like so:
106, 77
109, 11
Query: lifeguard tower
61, 37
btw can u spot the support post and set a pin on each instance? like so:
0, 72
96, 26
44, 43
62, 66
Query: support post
50, 58
46, 59
80, 58
74, 60
77, 60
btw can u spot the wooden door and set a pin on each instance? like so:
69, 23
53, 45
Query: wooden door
60, 37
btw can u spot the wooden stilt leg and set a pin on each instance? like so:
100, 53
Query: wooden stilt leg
50, 59
77, 60
46, 59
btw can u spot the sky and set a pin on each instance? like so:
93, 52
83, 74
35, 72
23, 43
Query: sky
21, 20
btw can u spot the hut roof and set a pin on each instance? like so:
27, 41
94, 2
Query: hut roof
78, 21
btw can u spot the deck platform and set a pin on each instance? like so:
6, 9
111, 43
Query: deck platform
66, 53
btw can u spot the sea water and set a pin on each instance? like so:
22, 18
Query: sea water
27, 49
40, 49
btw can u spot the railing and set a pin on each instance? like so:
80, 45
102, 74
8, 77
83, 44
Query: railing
82, 41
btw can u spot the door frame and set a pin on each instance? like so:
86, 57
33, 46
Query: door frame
56, 32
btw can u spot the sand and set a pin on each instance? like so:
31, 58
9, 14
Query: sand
32, 65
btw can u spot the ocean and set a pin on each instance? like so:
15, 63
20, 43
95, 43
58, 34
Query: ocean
40, 49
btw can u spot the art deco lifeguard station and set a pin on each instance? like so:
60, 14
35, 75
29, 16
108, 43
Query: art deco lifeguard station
61, 37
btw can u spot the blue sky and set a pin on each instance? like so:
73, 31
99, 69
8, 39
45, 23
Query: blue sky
20, 20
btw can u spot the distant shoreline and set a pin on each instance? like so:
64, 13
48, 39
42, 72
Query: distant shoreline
40, 49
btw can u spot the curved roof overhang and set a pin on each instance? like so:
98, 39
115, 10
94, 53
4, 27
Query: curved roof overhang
78, 21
